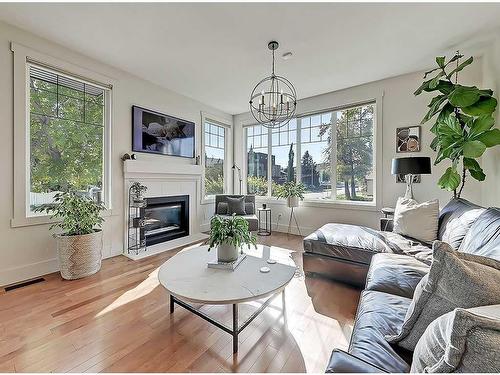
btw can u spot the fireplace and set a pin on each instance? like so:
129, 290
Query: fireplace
165, 219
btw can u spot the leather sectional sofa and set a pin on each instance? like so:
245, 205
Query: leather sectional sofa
393, 270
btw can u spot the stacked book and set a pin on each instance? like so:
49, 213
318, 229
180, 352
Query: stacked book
226, 265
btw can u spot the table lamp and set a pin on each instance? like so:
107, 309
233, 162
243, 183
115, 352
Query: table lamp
409, 167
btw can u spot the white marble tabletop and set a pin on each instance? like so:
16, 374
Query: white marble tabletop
187, 277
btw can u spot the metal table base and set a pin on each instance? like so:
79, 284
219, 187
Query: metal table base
236, 329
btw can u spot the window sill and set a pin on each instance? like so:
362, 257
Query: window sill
44, 220
362, 206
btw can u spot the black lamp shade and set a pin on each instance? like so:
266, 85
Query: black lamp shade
412, 165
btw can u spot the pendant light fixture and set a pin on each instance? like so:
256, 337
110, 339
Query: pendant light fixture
273, 100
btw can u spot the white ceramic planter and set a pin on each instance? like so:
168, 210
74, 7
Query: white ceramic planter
80, 255
227, 253
292, 201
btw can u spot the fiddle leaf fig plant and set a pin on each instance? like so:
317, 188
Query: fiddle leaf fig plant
463, 125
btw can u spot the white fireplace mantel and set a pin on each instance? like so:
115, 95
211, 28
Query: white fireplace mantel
165, 177
158, 169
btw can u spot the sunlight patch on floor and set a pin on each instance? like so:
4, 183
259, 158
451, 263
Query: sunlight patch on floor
141, 290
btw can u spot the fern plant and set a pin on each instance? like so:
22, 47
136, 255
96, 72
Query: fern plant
231, 231
463, 127
76, 214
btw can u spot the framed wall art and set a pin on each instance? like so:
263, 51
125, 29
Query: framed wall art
408, 139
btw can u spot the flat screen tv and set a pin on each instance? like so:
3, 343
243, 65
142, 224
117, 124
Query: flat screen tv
156, 133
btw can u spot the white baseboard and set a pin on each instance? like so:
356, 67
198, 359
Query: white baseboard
29, 271
166, 246
304, 231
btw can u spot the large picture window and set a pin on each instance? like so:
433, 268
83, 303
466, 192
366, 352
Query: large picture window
214, 144
67, 122
331, 153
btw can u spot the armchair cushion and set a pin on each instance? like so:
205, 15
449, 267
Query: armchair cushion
222, 208
236, 205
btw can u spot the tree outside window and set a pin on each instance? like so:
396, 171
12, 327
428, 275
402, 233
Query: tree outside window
66, 118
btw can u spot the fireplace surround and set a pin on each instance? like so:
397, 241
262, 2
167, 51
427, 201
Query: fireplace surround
165, 219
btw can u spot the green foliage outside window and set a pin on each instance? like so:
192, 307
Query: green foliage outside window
66, 136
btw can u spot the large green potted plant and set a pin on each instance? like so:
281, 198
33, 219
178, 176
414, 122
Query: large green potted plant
292, 192
79, 245
463, 127
229, 235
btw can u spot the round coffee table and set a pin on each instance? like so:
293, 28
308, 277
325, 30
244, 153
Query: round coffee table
187, 278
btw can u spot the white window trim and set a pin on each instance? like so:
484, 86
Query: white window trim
228, 160
23, 55
330, 203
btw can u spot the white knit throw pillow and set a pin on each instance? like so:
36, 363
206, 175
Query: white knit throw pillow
417, 220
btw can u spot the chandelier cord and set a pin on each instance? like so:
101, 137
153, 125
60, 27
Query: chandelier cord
273, 62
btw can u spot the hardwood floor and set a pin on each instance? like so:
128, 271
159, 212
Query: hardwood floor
118, 321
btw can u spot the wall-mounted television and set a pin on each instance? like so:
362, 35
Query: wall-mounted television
156, 133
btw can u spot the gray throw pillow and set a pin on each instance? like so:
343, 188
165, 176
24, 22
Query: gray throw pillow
236, 205
454, 280
464, 340
222, 208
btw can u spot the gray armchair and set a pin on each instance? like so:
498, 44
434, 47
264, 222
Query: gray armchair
221, 209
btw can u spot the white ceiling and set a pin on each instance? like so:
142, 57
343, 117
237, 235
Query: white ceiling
216, 52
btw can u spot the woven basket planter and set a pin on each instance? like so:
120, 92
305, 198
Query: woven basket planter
80, 255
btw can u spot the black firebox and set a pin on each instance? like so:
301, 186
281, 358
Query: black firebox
165, 219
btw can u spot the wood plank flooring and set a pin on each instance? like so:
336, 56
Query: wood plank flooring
118, 321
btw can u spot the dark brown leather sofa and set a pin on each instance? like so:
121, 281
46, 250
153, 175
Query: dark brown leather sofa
391, 279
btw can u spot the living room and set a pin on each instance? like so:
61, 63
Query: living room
171, 168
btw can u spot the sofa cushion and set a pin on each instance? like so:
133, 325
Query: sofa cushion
454, 280
395, 274
346, 241
380, 314
359, 244
417, 220
464, 340
455, 220
483, 237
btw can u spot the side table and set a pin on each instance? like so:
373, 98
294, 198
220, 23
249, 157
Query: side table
386, 222
266, 229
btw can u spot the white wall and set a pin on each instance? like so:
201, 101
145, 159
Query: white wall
399, 108
490, 188
30, 251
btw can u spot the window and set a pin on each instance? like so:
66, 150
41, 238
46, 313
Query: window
331, 153
284, 149
257, 154
214, 143
67, 123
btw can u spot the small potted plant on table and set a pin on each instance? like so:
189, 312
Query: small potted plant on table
229, 235
79, 246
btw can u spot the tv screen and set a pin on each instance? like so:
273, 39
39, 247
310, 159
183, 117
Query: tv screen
156, 133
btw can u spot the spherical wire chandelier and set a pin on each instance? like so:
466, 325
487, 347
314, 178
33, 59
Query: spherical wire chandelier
273, 100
